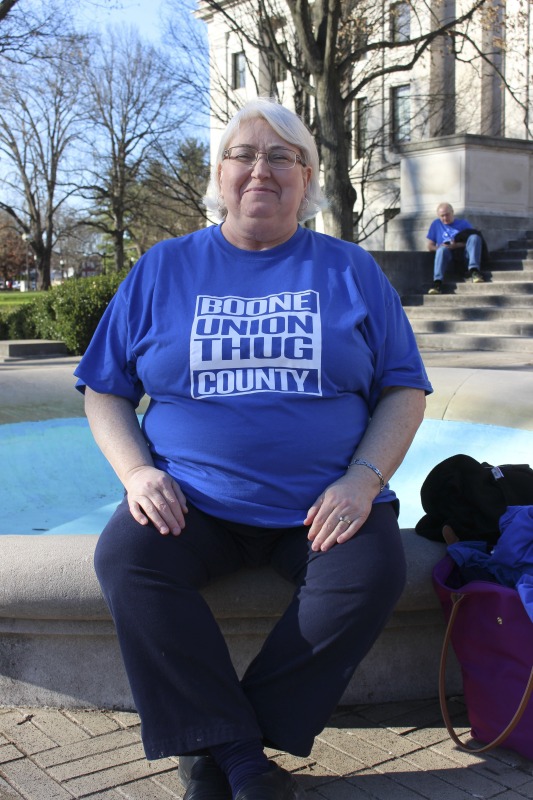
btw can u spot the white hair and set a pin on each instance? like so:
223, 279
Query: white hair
290, 127
445, 205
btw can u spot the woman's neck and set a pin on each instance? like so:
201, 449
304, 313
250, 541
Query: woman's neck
257, 236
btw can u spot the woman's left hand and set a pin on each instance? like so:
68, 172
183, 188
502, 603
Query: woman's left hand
342, 508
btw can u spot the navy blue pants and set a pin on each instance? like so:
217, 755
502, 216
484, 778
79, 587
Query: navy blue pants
183, 683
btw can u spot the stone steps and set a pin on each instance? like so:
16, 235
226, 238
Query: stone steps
493, 316
472, 300
465, 342
475, 313
523, 260
519, 244
497, 285
476, 327
524, 276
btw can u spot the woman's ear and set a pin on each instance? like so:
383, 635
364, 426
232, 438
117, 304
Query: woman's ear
307, 176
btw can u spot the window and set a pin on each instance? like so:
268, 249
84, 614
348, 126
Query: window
400, 22
400, 115
239, 71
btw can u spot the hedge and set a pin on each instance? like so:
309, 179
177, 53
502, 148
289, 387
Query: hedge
68, 313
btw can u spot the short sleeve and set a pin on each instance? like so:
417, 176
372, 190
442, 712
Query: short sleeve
432, 233
109, 363
388, 332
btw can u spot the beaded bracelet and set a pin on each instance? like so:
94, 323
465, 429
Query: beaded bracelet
361, 462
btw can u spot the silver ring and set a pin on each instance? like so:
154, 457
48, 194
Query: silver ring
347, 520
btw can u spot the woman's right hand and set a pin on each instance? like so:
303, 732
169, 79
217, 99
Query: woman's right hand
153, 496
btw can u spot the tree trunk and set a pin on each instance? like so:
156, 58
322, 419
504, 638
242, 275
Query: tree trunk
338, 218
118, 245
43, 265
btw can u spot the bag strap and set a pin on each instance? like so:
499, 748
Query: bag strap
457, 599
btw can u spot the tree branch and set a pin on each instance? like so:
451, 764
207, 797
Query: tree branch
5, 8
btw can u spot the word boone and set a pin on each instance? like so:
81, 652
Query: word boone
258, 306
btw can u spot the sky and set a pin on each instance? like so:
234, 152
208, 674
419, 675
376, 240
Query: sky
144, 14
147, 16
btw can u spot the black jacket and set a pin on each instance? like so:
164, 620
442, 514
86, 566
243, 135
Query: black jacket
470, 497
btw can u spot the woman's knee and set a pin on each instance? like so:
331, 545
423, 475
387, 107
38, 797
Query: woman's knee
371, 567
125, 547
128, 552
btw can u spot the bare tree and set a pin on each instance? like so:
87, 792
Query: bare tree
38, 126
187, 54
33, 29
172, 188
131, 104
79, 249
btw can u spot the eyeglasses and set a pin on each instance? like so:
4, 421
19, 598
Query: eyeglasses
277, 157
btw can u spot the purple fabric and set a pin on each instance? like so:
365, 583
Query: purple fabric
511, 560
493, 641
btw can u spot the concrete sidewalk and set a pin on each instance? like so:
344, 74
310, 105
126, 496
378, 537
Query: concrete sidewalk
392, 751
493, 388
397, 751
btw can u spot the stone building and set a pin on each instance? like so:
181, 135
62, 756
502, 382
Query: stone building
456, 126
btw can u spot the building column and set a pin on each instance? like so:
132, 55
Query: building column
492, 93
442, 73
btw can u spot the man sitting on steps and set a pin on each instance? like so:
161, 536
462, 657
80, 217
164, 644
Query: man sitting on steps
448, 238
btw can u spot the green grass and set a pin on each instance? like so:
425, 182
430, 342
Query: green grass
10, 298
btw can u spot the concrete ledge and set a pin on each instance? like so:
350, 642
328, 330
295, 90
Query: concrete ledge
409, 272
31, 348
58, 646
486, 396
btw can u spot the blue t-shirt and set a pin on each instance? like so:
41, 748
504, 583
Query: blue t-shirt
440, 233
262, 368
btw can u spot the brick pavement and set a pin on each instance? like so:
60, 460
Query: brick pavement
393, 751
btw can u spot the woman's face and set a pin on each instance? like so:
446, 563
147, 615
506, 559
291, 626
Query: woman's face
262, 201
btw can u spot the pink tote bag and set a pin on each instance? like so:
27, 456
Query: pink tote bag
492, 636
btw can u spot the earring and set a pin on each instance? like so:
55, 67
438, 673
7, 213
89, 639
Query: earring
222, 210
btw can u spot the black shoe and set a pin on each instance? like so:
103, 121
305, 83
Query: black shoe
436, 288
276, 784
203, 779
476, 276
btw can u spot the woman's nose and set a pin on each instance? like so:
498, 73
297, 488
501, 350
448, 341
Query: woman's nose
261, 166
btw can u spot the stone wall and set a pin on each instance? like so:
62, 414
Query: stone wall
409, 272
58, 646
488, 180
